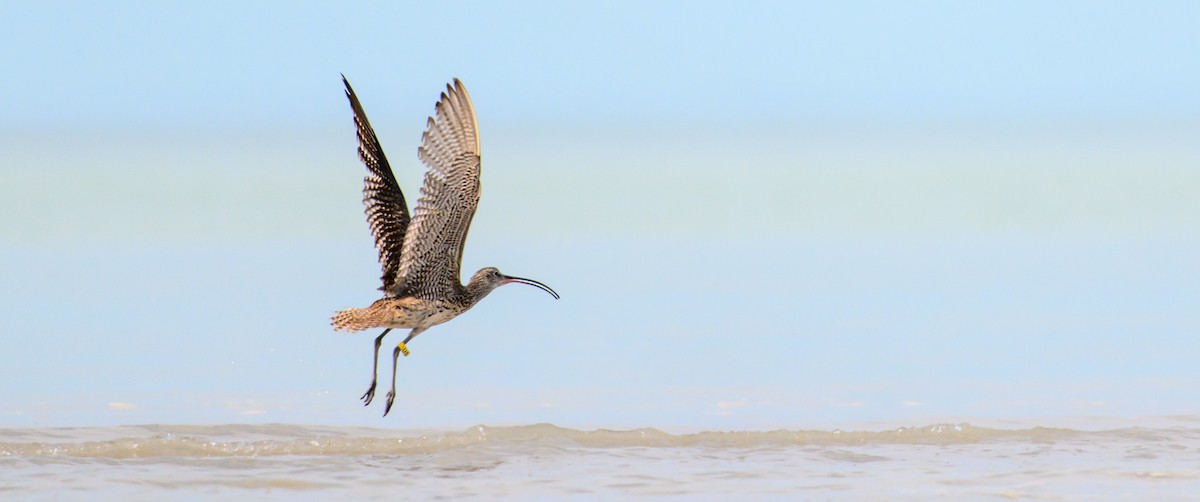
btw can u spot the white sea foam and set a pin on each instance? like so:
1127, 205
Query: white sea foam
546, 460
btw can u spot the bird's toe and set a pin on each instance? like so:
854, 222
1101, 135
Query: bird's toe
390, 397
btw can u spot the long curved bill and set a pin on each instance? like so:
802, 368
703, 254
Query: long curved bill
531, 282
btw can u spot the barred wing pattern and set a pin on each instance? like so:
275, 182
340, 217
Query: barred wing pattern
387, 211
431, 261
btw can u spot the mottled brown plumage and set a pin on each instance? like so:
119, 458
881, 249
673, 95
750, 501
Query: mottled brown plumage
421, 255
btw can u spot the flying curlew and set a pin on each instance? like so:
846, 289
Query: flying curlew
422, 255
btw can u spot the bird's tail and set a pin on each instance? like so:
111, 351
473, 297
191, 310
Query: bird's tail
354, 320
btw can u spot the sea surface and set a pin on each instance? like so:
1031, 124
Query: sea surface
855, 315
1097, 459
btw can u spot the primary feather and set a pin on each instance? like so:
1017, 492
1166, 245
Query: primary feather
386, 209
431, 259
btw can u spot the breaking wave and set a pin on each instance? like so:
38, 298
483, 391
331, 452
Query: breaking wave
149, 441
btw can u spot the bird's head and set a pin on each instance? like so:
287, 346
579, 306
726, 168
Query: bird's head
489, 278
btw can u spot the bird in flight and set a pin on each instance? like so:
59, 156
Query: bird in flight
421, 254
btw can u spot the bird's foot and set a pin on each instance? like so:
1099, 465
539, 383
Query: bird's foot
390, 397
369, 395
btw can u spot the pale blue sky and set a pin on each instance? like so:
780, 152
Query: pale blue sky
269, 64
762, 215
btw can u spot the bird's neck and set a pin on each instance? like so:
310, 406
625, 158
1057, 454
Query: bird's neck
477, 290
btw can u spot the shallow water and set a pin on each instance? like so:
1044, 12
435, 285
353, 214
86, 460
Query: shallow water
952, 460
885, 285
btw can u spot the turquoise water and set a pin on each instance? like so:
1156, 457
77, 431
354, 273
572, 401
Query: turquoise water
1044, 300
770, 281
857, 216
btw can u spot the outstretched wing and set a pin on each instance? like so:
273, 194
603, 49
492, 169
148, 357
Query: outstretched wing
387, 211
431, 261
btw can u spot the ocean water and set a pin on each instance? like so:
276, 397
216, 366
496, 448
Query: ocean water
877, 264
859, 317
1149, 459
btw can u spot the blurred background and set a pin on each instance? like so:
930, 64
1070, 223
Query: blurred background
759, 215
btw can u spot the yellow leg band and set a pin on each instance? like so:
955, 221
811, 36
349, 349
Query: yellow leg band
403, 349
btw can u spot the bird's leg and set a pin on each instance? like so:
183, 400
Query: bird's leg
402, 347
374, 369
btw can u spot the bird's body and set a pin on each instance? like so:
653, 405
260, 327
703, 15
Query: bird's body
421, 255
407, 312
412, 312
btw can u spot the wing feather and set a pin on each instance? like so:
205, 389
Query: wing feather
431, 259
386, 209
